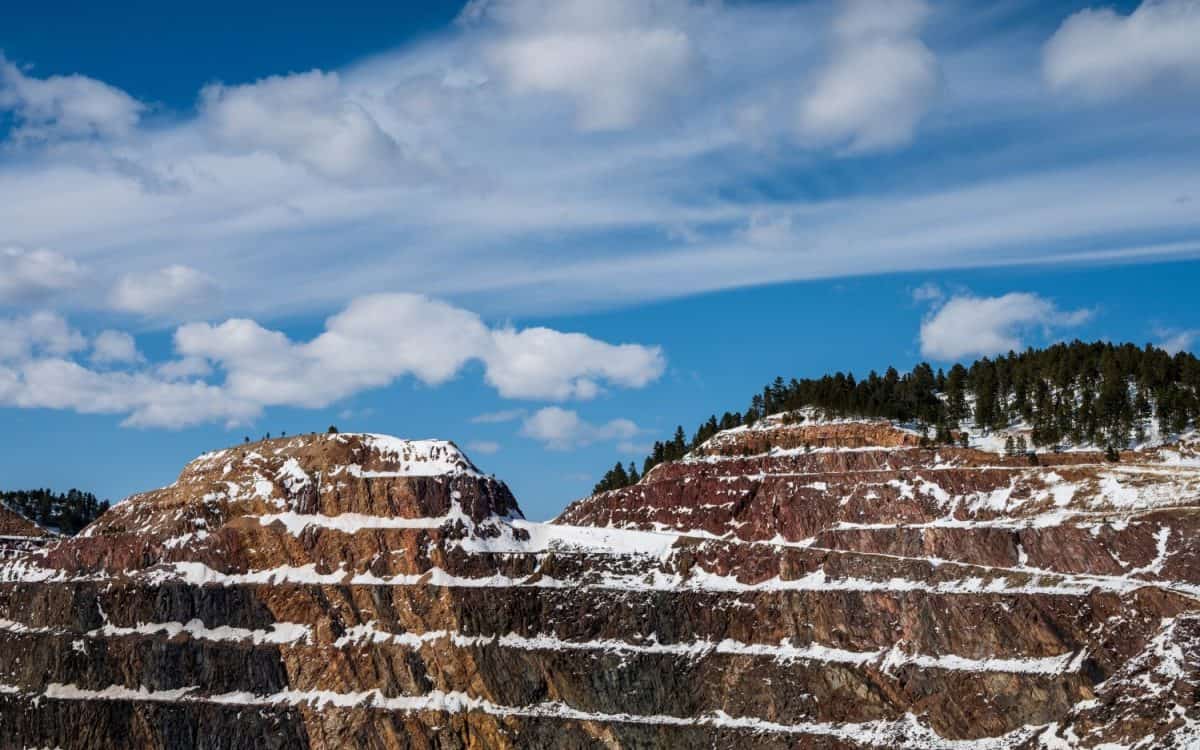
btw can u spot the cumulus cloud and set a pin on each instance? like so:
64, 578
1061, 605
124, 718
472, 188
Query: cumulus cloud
1098, 52
879, 81
115, 347
541, 363
307, 118
233, 370
966, 325
162, 292
617, 61
71, 106
563, 429
37, 370
27, 275
371, 343
40, 333
183, 368
58, 383
379, 338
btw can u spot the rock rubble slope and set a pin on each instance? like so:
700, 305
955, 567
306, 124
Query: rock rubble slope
823, 585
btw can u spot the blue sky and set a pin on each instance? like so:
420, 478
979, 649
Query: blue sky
552, 231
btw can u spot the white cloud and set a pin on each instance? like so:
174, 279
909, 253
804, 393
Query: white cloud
533, 217
879, 82
70, 106
115, 347
617, 61
36, 371
308, 118
967, 325
486, 447
541, 363
1173, 340
26, 275
770, 229
379, 338
1099, 53
497, 417
165, 291
370, 344
563, 429
40, 333
183, 368
56, 383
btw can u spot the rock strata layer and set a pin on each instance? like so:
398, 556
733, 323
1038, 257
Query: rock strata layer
18, 534
828, 585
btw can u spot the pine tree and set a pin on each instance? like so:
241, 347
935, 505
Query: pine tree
1098, 394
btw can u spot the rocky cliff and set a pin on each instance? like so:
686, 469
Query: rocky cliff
18, 534
830, 585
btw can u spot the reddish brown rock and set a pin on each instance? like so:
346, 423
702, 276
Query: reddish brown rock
830, 585
18, 534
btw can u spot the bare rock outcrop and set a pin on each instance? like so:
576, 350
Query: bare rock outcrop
18, 534
830, 585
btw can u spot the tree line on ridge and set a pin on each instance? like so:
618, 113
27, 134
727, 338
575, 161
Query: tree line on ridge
1100, 394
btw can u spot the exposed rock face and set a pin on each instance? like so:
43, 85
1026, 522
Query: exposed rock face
18, 534
828, 586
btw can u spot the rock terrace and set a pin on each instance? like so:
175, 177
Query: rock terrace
827, 585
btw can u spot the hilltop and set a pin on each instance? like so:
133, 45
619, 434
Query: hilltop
1076, 396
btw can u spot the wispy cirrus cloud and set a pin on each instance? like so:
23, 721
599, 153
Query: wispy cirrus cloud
498, 417
497, 164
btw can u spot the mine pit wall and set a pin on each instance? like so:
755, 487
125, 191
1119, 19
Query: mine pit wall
603, 682
813, 623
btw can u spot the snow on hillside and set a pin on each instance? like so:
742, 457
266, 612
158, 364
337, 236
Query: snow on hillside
979, 438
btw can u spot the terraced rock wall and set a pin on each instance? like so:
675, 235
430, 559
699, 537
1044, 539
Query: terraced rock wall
771, 591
